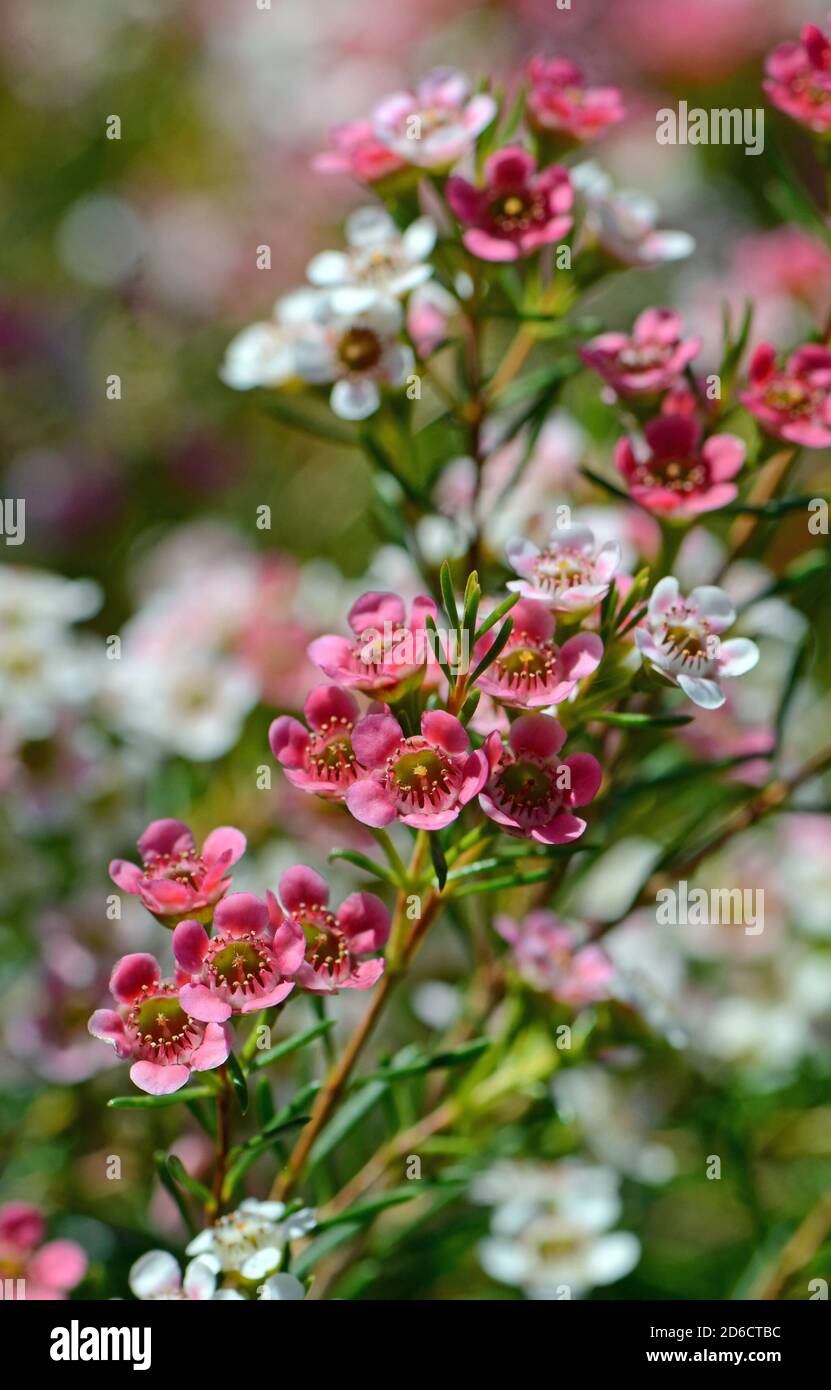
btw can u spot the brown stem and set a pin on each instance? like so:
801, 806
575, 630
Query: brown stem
222, 1135
797, 1252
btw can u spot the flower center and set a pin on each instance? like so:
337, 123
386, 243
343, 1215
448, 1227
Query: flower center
676, 475
517, 211
791, 396
330, 752
525, 665
525, 787
239, 965
161, 1025
421, 775
558, 569
326, 947
360, 349
685, 643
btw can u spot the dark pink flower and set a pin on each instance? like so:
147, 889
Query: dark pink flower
48, 1271
319, 759
792, 402
647, 362
531, 792
424, 780
559, 101
387, 654
356, 150
244, 966
336, 943
517, 211
150, 1025
548, 956
531, 671
799, 79
673, 473
175, 880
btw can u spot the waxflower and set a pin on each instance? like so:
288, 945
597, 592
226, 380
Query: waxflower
251, 1241
531, 792
156, 1277
681, 638
152, 1027
647, 362
378, 255
319, 758
175, 879
531, 671
262, 354
671, 472
244, 966
336, 943
356, 150
437, 124
49, 1270
424, 780
387, 653
560, 102
623, 222
569, 574
356, 346
548, 956
792, 402
798, 79
517, 211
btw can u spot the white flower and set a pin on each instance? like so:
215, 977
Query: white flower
550, 1227
681, 637
570, 574
251, 1240
263, 353
356, 346
624, 221
378, 254
156, 1277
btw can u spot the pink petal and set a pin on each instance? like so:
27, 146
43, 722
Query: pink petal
581, 655
330, 702
190, 944
538, 734
131, 974
301, 887
332, 654
365, 975
365, 920
61, 1264
475, 774
725, 455
658, 326
214, 1050
586, 776
762, 363
375, 738
288, 946
273, 996
559, 831
165, 896
157, 1080
107, 1025
240, 913
445, 730
465, 201
370, 804
489, 248
202, 1003
22, 1224
373, 610
222, 841
289, 741
509, 168
163, 837
672, 436
126, 875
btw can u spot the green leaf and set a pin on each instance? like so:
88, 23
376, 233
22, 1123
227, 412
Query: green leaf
165, 1178
289, 1045
362, 1212
493, 652
439, 861
238, 1082
350, 1115
438, 649
159, 1102
362, 861
322, 1246
607, 486
255, 1150
492, 885
180, 1174
447, 594
295, 1107
497, 614
640, 721
799, 664
417, 1066
473, 595
321, 427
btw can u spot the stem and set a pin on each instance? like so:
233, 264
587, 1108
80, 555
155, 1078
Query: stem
222, 1138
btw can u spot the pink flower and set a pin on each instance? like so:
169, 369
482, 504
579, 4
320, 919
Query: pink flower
799, 79
569, 575
560, 101
151, 1026
356, 150
387, 654
531, 793
176, 881
531, 671
319, 759
547, 955
673, 473
792, 403
423, 781
649, 361
682, 638
49, 1271
518, 210
437, 124
244, 966
335, 943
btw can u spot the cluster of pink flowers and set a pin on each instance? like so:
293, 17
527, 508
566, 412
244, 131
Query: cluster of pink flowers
253, 956
48, 1270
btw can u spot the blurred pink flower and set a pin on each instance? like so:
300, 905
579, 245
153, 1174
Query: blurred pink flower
335, 943
793, 402
424, 780
176, 881
358, 151
647, 362
437, 124
387, 654
560, 101
531, 671
150, 1026
518, 211
547, 955
799, 79
569, 575
49, 1271
674, 474
531, 793
319, 758
244, 966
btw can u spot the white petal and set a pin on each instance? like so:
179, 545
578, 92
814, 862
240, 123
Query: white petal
355, 398
261, 1263
664, 595
370, 226
282, 1286
299, 307
200, 1277
300, 1223
269, 1211
396, 364
201, 1244
225, 1296
611, 1256
737, 656
329, 268
706, 694
420, 238
714, 605
155, 1273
